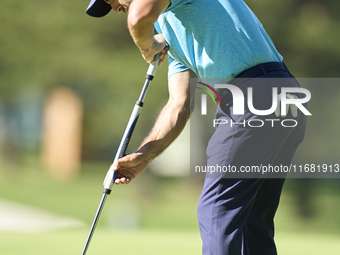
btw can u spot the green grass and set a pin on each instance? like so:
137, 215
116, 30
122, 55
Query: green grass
307, 244
164, 209
103, 242
151, 242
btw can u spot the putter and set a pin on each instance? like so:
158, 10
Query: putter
110, 176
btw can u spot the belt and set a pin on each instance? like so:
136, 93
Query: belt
262, 69
250, 73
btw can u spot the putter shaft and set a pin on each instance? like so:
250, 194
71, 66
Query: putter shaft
94, 223
110, 177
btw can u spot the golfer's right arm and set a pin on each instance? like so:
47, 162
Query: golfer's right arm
166, 129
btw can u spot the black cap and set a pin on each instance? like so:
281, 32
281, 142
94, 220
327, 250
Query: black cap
98, 8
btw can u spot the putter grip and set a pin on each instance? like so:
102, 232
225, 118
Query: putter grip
153, 65
152, 68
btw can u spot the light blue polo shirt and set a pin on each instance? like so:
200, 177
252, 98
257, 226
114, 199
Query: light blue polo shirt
214, 38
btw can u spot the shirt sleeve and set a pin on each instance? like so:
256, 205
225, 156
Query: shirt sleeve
175, 66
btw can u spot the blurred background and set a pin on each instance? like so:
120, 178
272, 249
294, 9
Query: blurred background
68, 84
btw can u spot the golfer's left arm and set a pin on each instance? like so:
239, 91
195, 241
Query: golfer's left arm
141, 18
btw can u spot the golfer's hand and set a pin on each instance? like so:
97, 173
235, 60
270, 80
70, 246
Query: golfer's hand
162, 55
129, 166
159, 46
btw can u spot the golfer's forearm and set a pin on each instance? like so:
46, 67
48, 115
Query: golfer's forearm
142, 32
172, 118
167, 128
141, 18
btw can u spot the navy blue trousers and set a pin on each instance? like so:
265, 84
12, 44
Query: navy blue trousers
236, 214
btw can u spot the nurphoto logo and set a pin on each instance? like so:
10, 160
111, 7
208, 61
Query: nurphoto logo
281, 104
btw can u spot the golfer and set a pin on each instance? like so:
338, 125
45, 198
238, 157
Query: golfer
221, 40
